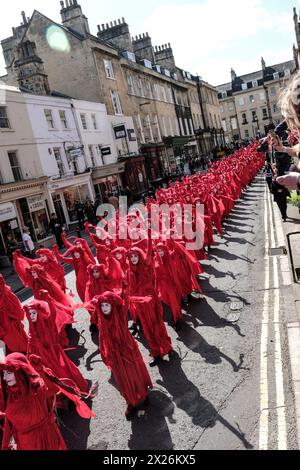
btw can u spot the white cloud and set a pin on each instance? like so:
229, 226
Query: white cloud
201, 34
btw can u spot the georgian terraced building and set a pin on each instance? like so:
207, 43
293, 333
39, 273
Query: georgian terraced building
249, 103
174, 114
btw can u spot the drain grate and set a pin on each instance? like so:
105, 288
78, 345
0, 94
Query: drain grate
281, 250
235, 306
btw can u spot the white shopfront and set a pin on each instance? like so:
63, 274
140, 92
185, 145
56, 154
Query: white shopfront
9, 224
65, 193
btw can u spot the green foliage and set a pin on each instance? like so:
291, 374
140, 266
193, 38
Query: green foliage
294, 199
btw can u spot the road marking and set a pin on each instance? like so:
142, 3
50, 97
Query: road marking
280, 398
264, 390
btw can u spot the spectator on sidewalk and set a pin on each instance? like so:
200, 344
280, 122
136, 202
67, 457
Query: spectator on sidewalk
56, 229
268, 172
89, 211
28, 243
79, 208
280, 197
11, 246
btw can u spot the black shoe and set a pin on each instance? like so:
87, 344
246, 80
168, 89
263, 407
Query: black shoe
129, 412
134, 329
94, 328
155, 361
171, 354
178, 327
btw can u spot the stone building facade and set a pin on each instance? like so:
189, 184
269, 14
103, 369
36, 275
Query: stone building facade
249, 103
128, 75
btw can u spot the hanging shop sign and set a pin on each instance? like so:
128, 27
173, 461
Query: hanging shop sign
120, 132
105, 151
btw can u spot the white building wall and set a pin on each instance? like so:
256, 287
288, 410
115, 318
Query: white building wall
48, 139
18, 138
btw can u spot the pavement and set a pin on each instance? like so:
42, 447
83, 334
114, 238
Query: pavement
232, 383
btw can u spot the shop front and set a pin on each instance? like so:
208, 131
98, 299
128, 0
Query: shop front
24, 205
9, 225
108, 180
156, 163
67, 193
135, 176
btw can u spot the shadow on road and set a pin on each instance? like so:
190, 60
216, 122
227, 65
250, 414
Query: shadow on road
70, 421
151, 432
208, 317
211, 354
187, 397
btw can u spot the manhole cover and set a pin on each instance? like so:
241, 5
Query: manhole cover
235, 306
281, 250
233, 317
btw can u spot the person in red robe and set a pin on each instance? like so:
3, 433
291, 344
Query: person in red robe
29, 419
78, 243
37, 279
149, 310
120, 352
166, 284
62, 316
48, 261
44, 342
80, 261
102, 279
12, 331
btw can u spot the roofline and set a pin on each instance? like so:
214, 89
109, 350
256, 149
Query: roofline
258, 71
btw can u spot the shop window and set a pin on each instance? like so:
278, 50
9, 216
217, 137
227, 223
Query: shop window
4, 121
15, 166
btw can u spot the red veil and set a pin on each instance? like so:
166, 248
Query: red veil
12, 331
120, 351
147, 306
29, 418
44, 342
167, 282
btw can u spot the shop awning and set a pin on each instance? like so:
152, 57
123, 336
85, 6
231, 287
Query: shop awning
108, 170
177, 141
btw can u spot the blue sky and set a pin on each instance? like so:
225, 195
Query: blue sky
208, 36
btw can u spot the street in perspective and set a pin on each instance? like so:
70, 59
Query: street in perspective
149, 230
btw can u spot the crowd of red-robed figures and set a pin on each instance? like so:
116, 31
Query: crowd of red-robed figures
133, 277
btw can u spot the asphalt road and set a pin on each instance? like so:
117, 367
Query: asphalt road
211, 393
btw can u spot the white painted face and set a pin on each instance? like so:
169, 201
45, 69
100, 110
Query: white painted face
107, 242
34, 274
33, 315
96, 274
161, 253
77, 255
78, 245
135, 259
106, 308
44, 259
9, 378
118, 256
